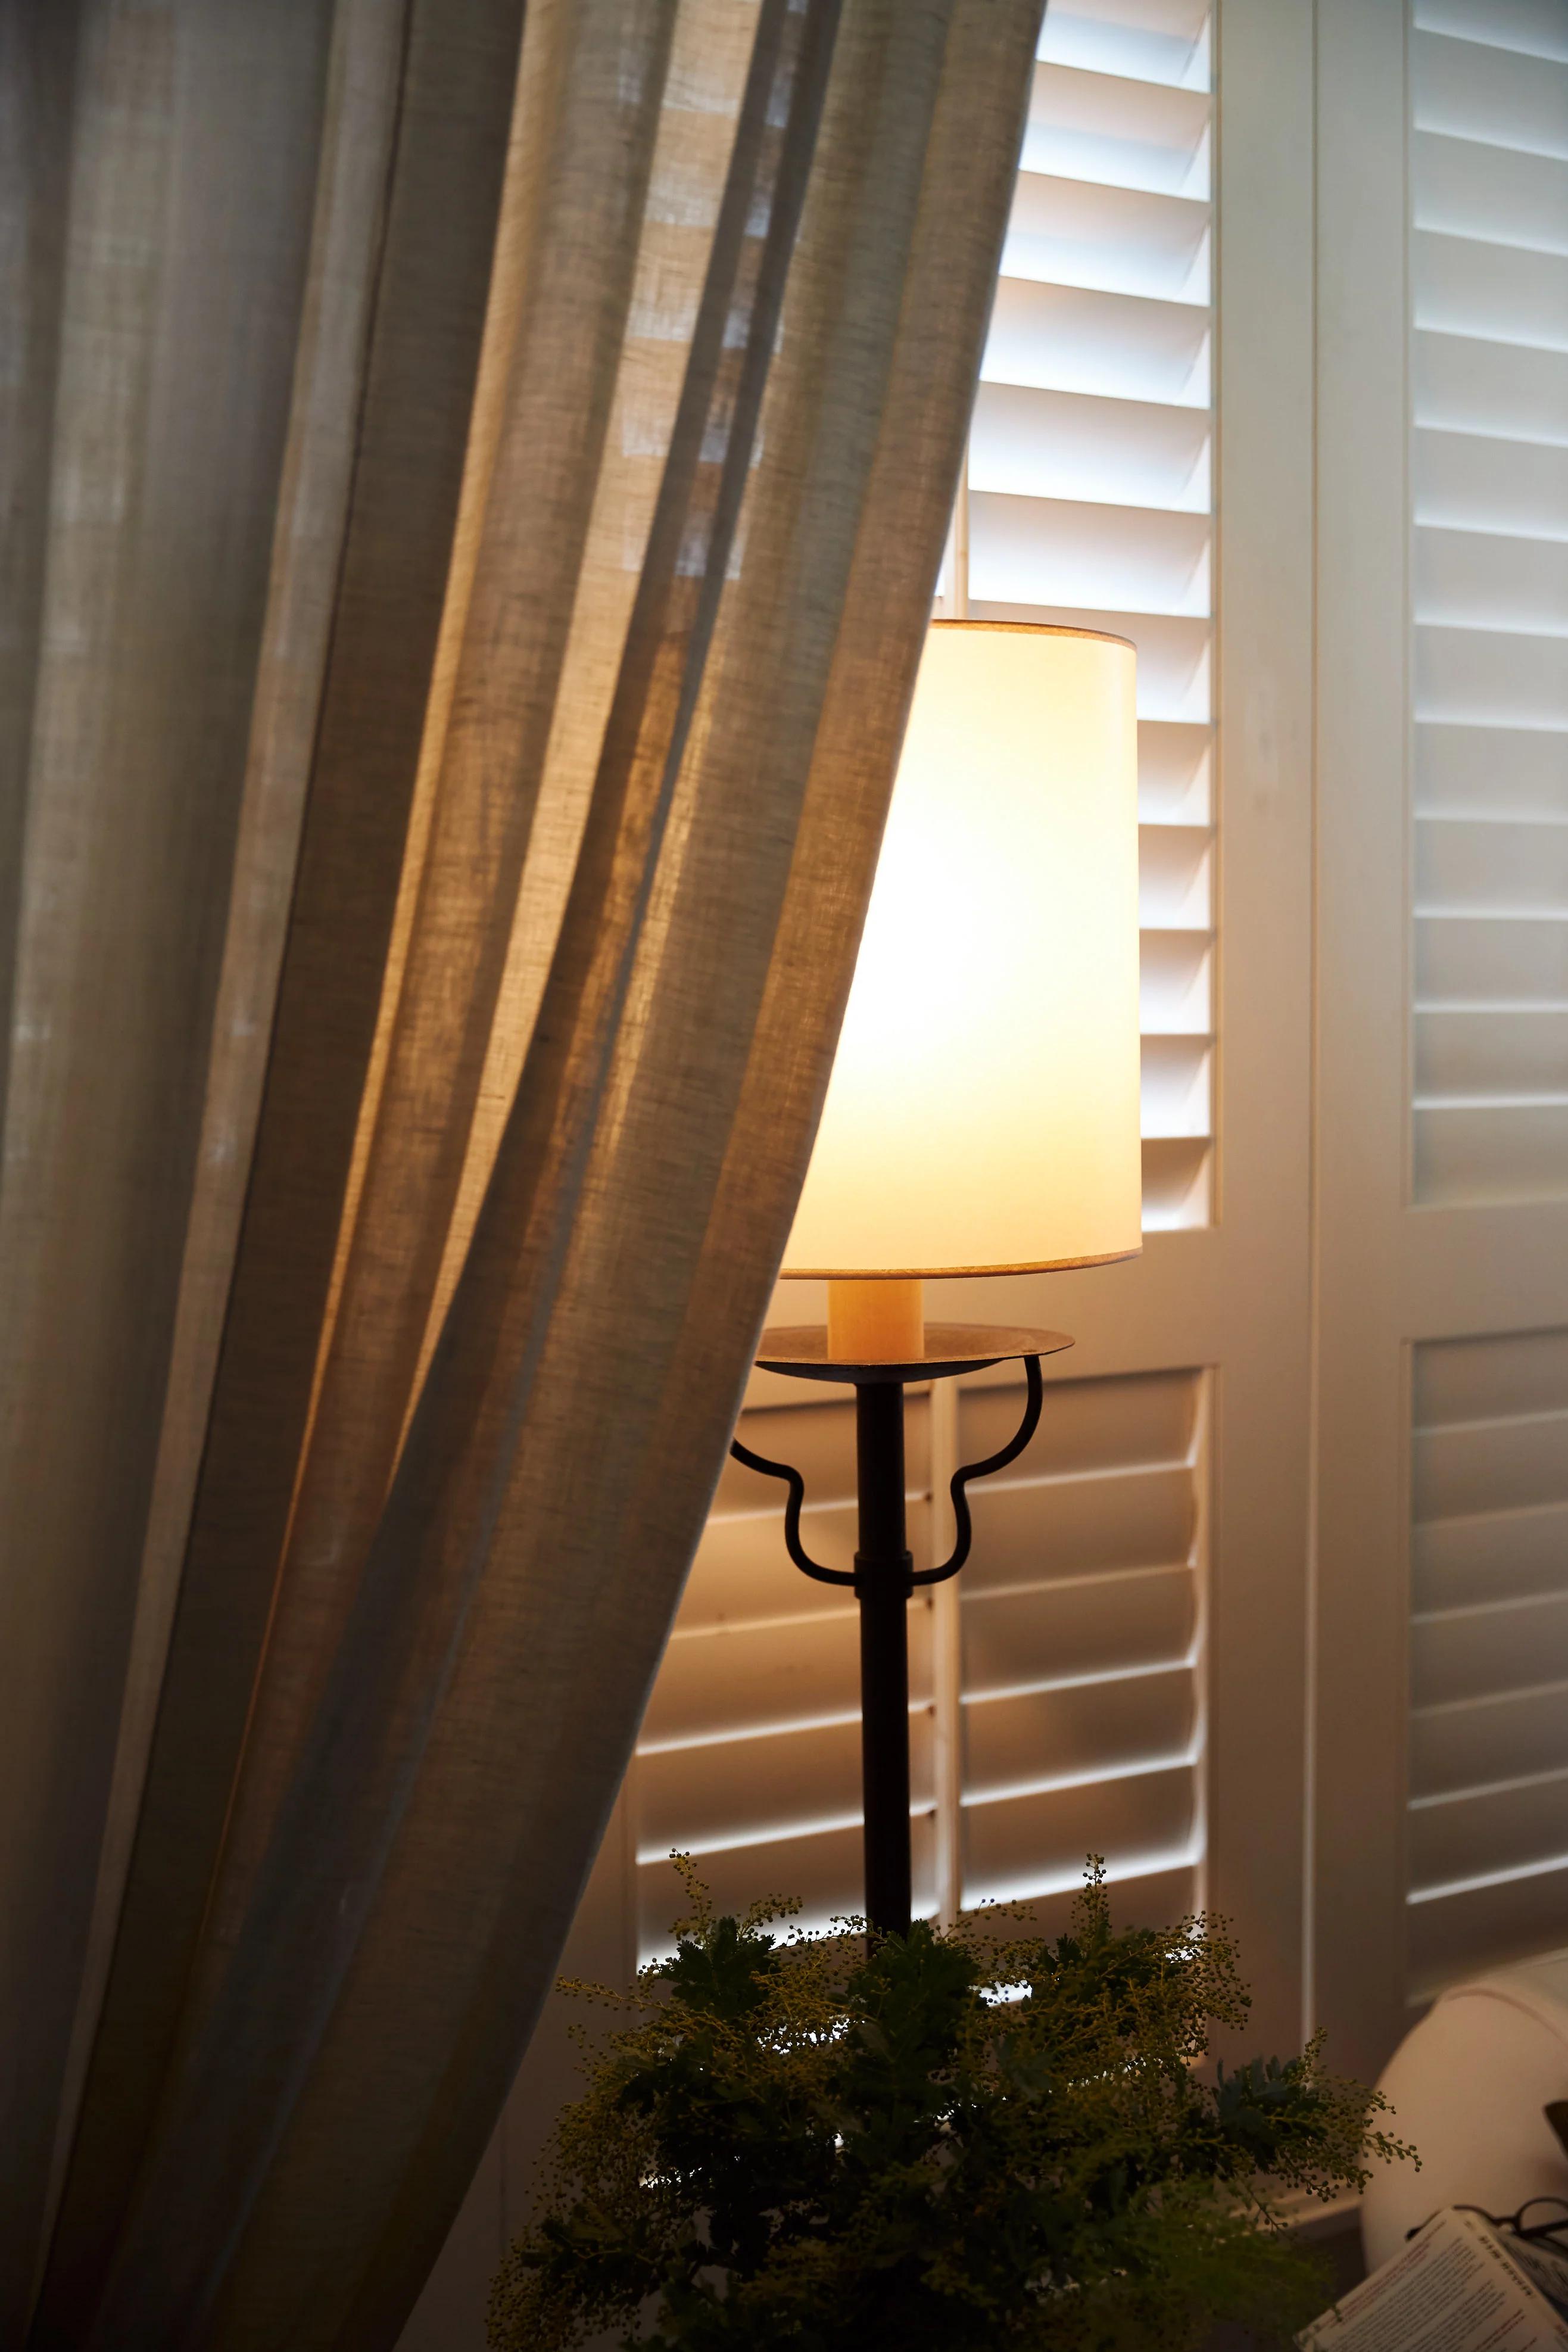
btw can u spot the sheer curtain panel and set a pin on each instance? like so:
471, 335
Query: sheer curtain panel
476, 478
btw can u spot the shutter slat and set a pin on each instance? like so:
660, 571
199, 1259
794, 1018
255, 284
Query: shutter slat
1498, 1646
1468, 1380
1463, 1467
1471, 286
1115, 128
1492, 864
1174, 877
1059, 444
1492, 1152
1463, 384
1175, 781
1487, 1830
1488, 482
1502, 959
1024, 1535
1480, 580
716, 1683
1109, 346
1157, 40
1477, 1743
1055, 551
1495, 771
1474, 89
1033, 1739
1175, 1088
1117, 241
1534, 26
1175, 984
707, 1799
1474, 676
1501, 1052
1016, 1847
1175, 1183
1503, 1555
1127, 22
1128, 1423
1466, 188
1090, 1629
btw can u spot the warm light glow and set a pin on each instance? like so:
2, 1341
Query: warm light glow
876, 1322
983, 1112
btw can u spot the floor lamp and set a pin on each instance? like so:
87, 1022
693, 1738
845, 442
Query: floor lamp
982, 1117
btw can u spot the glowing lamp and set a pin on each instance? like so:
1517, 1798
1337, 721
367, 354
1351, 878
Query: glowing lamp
982, 1115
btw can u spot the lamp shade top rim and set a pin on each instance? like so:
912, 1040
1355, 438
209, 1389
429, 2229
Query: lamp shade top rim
1039, 629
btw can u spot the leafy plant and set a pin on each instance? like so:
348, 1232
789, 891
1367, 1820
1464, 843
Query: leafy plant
959, 2140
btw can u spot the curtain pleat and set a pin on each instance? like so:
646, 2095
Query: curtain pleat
179, 154
469, 878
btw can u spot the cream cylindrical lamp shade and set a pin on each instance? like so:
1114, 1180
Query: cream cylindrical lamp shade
983, 1113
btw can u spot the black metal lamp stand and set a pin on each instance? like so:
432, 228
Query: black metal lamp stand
885, 1575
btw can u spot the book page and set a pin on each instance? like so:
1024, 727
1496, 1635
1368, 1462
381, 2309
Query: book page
1452, 2289
1547, 2263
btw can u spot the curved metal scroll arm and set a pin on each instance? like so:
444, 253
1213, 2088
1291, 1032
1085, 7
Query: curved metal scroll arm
1009, 1453
797, 1485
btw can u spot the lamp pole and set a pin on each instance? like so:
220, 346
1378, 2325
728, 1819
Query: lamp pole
884, 1576
884, 1580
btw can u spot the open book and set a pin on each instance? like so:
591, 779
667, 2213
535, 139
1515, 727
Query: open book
1458, 2286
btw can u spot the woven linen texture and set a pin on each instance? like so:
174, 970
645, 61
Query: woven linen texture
477, 478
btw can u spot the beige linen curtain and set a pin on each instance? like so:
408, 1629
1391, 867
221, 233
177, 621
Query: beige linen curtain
475, 478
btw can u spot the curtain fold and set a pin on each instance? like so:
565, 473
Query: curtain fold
498, 465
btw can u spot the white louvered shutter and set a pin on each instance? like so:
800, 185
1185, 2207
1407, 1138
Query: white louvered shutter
1442, 858
1056, 1691
1490, 487
1488, 1840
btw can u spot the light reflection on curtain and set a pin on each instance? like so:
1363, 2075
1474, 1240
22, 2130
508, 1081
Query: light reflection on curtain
478, 480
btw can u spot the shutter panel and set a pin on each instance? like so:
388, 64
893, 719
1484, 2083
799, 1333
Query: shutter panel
1488, 1756
1489, 586
1055, 1689
1488, 1836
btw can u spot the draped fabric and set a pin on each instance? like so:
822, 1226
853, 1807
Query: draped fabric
474, 476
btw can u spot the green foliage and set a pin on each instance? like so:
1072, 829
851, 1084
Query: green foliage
959, 2142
